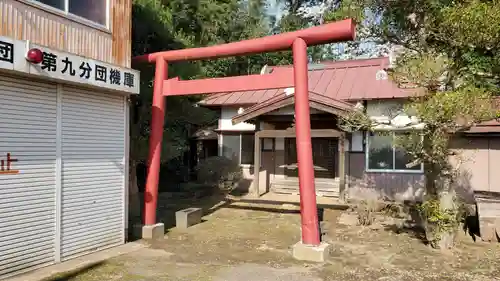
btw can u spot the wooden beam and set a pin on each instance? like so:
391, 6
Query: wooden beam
275, 80
289, 117
280, 103
327, 108
263, 110
342, 169
319, 133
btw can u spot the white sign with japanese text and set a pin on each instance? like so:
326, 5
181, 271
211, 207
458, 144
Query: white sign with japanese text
67, 67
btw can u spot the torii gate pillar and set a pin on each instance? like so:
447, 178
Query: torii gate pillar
298, 41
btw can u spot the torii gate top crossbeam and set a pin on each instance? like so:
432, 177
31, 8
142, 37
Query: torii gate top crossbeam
176, 87
323, 34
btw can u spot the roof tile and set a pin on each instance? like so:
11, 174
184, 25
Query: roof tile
344, 80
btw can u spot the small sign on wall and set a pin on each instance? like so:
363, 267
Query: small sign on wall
6, 165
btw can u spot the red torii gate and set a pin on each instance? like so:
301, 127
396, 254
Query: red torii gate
298, 41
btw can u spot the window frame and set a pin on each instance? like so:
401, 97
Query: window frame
66, 14
240, 135
394, 171
270, 142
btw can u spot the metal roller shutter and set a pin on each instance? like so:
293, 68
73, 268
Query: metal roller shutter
28, 115
93, 182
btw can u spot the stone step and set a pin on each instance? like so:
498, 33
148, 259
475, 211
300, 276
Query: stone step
295, 182
324, 187
330, 191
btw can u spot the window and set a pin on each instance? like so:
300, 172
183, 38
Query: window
58, 4
93, 10
231, 146
247, 148
239, 146
383, 156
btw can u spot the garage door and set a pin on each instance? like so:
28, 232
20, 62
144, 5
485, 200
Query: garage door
28, 113
93, 150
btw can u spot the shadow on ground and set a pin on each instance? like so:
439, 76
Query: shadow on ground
71, 275
412, 225
211, 201
171, 202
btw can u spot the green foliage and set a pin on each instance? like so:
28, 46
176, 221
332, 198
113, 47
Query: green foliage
431, 210
348, 9
160, 25
454, 110
472, 23
426, 70
167, 25
355, 120
219, 171
445, 61
438, 220
451, 57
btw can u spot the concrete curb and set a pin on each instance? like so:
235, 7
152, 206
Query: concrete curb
78, 263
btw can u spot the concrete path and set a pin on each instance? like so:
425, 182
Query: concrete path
79, 263
252, 242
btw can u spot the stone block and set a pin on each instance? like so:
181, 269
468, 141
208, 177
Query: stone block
153, 232
489, 228
311, 253
188, 217
324, 227
488, 211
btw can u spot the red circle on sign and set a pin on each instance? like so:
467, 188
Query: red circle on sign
34, 56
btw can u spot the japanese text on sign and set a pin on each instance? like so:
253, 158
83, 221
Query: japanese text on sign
5, 166
6, 52
85, 70
67, 67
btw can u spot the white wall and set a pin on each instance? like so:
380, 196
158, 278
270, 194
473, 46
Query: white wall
227, 113
225, 123
383, 111
375, 108
378, 108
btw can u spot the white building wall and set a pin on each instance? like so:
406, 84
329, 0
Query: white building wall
379, 108
225, 123
227, 113
64, 195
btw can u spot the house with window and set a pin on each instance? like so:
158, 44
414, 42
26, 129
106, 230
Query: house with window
65, 81
258, 127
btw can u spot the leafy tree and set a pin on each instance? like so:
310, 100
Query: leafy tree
160, 25
449, 50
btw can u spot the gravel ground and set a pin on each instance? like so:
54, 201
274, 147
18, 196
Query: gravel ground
249, 242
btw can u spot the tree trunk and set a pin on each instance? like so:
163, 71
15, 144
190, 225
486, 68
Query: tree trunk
134, 198
135, 218
444, 239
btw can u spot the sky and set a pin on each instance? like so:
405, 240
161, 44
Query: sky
275, 8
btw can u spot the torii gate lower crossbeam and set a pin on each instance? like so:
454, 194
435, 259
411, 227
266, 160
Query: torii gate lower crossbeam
298, 41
